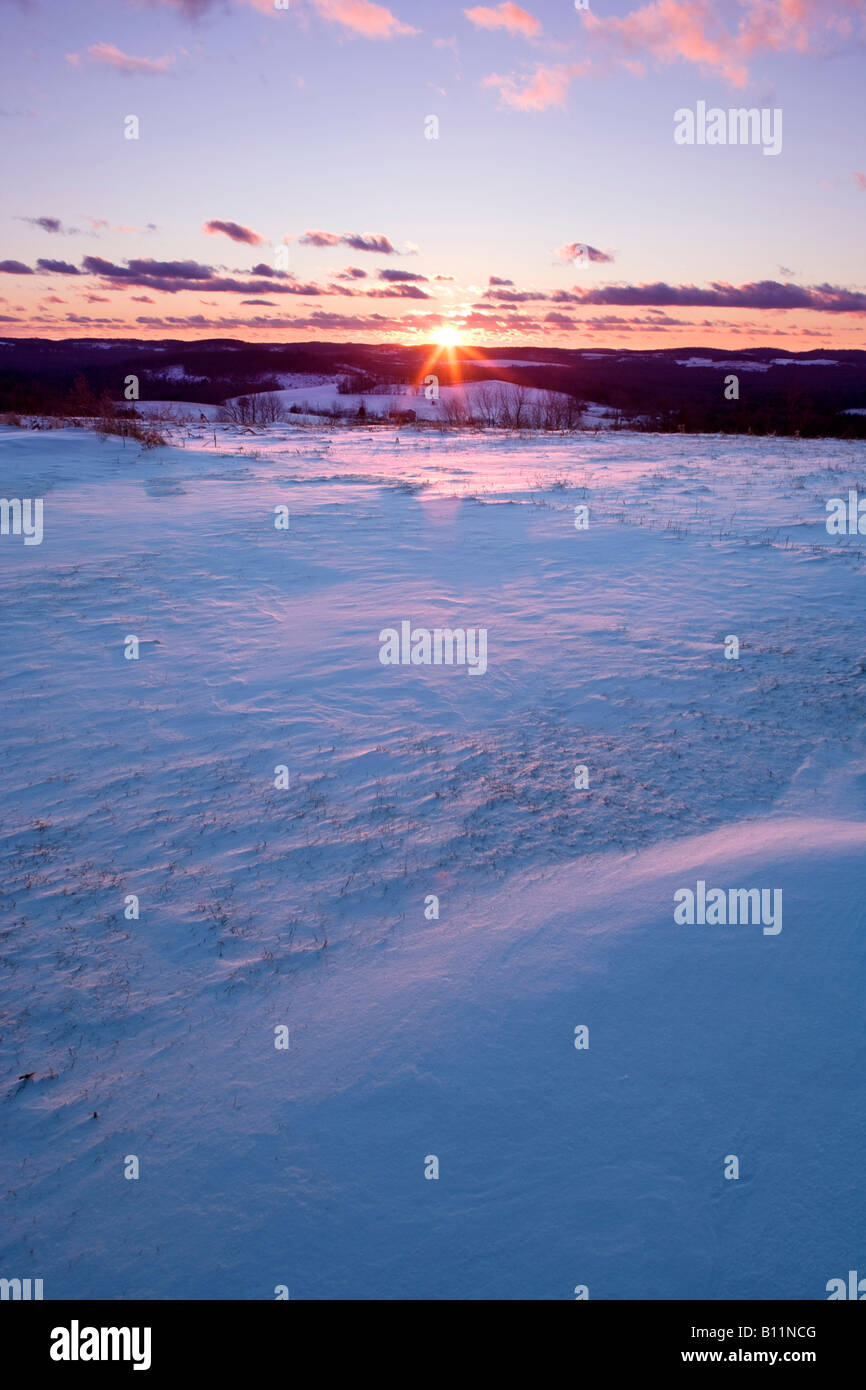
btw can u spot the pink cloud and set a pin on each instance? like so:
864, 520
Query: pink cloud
320, 239
580, 251
689, 30
363, 17
360, 16
234, 230
358, 241
507, 16
861, 180
694, 31
547, 87
109, 56
781, 24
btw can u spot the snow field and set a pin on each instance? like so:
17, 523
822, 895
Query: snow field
305, 906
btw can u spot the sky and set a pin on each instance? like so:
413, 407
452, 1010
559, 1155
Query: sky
493, 174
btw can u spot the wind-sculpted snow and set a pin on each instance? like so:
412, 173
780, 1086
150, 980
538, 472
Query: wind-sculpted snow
261, 905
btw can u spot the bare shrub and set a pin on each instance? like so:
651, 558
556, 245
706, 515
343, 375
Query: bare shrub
130, 427
146, 435
264, 408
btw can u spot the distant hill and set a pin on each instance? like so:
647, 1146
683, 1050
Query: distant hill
780, 392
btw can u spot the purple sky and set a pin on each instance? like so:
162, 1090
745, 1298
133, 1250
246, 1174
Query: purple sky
283, 184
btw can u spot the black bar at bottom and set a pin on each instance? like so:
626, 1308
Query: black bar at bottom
225, 1338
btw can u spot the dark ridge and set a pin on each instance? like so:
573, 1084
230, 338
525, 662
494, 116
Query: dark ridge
649, 390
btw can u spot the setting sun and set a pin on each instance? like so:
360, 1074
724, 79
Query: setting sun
448, 336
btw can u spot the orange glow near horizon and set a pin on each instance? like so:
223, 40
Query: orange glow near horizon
449, 345
30, 312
